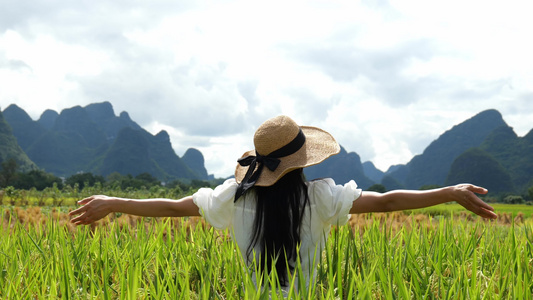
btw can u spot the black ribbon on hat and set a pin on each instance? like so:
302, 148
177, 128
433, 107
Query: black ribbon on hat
271, 161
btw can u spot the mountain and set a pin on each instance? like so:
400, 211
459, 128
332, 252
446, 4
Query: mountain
342, 167
25, 129
483, 150
515, 154
195, 161
433, 165
10, 149
480, 168
503, 163
372, 172
129, 154
48, 118
104, 115
70, 145
165, 157
391, 183
93, 139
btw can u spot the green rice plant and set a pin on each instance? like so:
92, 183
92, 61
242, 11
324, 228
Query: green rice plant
150, 258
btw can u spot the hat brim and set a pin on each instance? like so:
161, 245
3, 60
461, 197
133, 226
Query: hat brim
318, 146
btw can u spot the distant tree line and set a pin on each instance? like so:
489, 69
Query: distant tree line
41, 180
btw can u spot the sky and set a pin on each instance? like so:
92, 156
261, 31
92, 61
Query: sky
385, 78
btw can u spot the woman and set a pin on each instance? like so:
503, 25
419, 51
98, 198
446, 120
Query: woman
275, 216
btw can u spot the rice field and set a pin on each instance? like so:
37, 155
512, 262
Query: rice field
378, 256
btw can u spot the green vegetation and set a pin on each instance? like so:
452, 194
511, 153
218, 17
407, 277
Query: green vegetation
476, 165
506, 212
44, 257
380, 188
37, 184
514, 153
441, 252
79, 186
9, 149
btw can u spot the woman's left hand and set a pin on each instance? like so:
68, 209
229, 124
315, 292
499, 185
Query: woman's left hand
465, 194
94, 208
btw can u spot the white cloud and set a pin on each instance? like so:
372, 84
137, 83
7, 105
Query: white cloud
386, 78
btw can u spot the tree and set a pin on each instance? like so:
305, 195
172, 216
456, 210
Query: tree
8, 173
38, 179
530, 192
148, 179
84, 178
513, 200
429, 187
380, 188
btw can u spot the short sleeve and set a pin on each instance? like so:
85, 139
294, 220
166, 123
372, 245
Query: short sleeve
216, 206
333, 201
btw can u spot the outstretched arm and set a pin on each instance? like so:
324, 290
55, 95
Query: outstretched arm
97, 207
464, 194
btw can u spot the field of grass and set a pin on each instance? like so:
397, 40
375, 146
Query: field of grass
378, 256
504, 210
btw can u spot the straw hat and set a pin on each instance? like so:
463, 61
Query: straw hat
292, 146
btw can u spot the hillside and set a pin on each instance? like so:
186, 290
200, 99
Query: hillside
25, 129
342, 167
194, 159
480, 168
503, 161
515, 154
10, 149
372, 172
93, 139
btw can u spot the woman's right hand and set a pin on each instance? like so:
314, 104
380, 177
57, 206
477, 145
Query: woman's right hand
94, 208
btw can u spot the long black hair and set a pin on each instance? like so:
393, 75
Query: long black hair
279, 213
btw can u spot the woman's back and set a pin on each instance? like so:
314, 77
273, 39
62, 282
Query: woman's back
329, 204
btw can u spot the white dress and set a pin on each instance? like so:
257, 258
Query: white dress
329, 204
